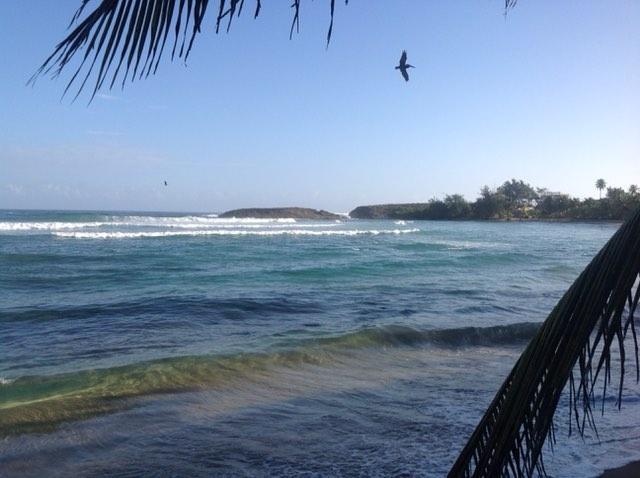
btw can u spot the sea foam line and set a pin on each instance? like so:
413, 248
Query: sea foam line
180, 221
45, 226
55, 226
226, 232
205, 219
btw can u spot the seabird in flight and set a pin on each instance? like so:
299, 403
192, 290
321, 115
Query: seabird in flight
165, 183
404, 66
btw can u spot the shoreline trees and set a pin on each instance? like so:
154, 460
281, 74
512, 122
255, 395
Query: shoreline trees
600, 185
514, 199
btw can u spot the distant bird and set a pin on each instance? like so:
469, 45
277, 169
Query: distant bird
165, 183
403, 66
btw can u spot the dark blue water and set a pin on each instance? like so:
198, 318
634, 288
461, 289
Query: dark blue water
137, 343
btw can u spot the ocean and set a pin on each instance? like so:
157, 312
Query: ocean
173, 344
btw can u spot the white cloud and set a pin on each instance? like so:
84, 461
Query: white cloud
108, 152
16, 189
107, 97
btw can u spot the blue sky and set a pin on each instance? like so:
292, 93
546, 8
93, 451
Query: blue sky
550, 94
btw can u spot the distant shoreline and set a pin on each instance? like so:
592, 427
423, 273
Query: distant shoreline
457, 209
513, 200
387, 215
513, 219
316, 214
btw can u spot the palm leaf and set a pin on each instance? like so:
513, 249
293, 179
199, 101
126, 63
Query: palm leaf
575, 345
125, 39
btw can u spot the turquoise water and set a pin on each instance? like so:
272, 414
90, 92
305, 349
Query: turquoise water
187, 344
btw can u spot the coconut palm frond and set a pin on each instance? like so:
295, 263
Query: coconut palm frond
126, 39
575, 344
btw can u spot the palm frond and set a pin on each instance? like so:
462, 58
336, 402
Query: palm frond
575, 344
125, 39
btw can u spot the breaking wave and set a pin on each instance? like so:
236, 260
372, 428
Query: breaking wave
208, 219
47, 226
151, 221
229, 232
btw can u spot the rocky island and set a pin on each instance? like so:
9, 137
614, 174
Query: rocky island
391, 211
281, 212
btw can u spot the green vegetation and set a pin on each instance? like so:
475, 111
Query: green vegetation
600, 185
514, 199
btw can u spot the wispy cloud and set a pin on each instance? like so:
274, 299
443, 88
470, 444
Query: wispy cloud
99, 132
108, 97
16, 189
157, 107
107, 153
63, 190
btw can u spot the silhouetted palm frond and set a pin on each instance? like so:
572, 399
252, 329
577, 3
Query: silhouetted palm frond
121, 31
126, 39
575, 345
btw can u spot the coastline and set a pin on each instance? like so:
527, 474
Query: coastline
514, 219
540, 219
330, 215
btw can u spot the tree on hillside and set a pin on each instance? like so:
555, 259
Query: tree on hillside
555, 205
490, 204
616, 194
618, 201
437, 209
518, 192
633, 190
600, 185
457, 206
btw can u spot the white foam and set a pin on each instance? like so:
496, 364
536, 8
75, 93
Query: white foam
47, 226
228, 232
460, 245
185, 222
209, 219
5, 381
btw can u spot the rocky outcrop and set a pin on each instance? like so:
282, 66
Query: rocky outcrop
281, 212
391, 211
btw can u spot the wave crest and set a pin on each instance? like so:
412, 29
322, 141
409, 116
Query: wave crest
228, 232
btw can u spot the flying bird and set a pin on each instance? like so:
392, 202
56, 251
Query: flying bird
165, 183
403, 66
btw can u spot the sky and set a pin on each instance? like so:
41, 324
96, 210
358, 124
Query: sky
549, 93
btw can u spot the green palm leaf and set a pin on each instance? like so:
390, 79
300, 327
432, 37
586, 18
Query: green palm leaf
574, 345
